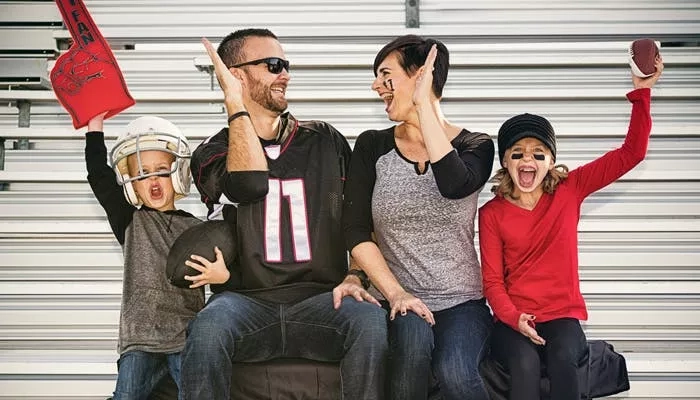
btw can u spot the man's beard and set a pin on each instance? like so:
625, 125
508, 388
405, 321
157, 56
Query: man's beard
262, 95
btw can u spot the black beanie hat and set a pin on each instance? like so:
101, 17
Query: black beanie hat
522, 126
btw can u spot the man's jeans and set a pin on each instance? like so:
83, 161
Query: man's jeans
453, 348
236, 328
139, 373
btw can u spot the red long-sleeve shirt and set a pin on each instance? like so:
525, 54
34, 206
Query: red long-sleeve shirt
530, 258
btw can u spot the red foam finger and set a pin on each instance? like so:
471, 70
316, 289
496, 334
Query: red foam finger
86, 79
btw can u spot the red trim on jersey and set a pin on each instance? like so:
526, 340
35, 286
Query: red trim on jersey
205, 164
291, 136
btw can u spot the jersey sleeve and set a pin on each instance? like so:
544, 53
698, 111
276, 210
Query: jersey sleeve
493, 269
105, 187
464, 171
208, 165
611, 166
344, 152
215, 183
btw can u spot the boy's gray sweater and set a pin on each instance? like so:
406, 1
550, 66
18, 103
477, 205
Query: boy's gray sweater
154, 314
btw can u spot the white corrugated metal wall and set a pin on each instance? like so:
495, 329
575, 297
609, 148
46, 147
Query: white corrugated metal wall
60, 268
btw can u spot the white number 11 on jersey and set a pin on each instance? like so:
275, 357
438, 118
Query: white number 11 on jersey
293, 190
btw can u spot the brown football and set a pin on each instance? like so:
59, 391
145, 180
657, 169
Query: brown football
642, 58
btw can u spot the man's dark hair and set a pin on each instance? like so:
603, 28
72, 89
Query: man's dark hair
231, 47
412, 51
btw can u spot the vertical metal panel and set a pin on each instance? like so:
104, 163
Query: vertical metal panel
412, 14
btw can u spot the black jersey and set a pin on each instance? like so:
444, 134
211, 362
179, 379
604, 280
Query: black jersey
290, 242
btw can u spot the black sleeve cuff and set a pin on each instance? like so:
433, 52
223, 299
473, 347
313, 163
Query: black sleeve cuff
245, 186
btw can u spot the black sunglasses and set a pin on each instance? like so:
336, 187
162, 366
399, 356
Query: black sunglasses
274, 64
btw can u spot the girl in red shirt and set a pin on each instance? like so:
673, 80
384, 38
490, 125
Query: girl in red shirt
529, 246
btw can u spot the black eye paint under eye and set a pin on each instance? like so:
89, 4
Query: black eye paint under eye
518, 156
161, 174
389, 84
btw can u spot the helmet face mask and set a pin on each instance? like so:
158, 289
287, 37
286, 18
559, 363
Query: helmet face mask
147, 134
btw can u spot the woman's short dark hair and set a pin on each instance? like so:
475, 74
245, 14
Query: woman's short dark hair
412, 50
231, 47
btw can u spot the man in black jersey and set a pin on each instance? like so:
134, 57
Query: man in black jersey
279, 181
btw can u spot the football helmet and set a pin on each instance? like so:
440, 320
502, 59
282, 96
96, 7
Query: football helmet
151, 133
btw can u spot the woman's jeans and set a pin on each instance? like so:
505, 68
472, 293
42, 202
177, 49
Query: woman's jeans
453, 349
565, 347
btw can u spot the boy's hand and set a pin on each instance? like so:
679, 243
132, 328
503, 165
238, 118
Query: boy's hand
96, 124
211, 272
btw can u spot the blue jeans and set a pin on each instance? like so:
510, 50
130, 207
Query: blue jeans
565, 347
139, 373
237, 328
453, 348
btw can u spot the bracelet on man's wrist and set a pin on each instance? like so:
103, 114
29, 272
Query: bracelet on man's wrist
238, 115
362, 276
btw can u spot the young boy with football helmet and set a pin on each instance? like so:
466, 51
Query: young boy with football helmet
151, 163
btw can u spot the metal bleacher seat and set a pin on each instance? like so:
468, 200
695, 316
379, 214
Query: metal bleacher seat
30, 73
26, 42
61, 269
27, 27
367, 20
325, 79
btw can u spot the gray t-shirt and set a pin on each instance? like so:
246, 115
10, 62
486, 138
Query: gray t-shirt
423, 221
154, 313
427, 240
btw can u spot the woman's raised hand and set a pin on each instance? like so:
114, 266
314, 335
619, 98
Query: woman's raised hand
424, 82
